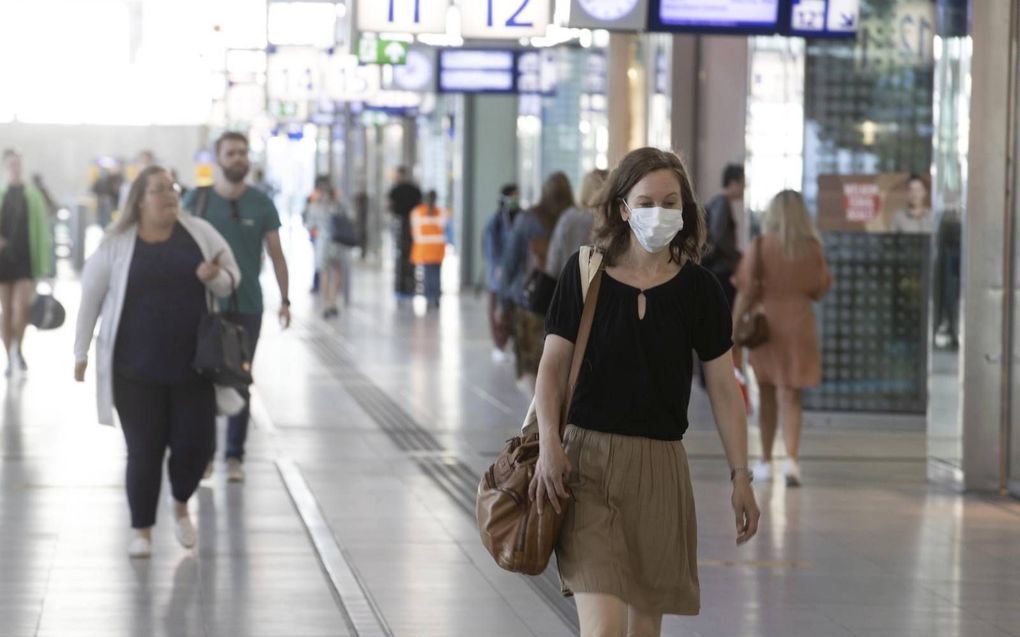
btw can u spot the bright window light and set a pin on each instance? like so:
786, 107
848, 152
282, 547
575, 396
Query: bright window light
302, 24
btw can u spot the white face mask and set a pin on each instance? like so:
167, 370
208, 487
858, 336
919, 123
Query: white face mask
655, 227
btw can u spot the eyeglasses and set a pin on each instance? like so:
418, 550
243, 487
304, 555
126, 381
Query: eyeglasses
235, 210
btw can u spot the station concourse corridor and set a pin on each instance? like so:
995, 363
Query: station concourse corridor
357, 514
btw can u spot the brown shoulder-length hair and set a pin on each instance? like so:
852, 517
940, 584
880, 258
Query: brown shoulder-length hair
613, 234
133, 205
557, 196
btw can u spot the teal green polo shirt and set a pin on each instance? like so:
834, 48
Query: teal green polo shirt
245, 235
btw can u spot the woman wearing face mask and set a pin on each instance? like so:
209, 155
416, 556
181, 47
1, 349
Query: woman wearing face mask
627, 550
149, 280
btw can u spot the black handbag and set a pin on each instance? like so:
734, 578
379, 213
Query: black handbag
223, 352
538, 292
342, 230
46, 313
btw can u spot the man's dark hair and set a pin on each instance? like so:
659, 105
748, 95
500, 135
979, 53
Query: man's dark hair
732, 172
230, 136
508, 190
8, 153
916, 177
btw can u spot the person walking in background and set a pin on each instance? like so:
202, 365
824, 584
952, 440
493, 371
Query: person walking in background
574, 228
149, 280
916, 217
729, 230
627, 550
26, 254
527, 251
495, 238
794, 273
428, 230
402, 199
248, 220
331, 257
143, 160
107, 189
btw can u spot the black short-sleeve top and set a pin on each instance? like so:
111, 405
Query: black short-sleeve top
636, 375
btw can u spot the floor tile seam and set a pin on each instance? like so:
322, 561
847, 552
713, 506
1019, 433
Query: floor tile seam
260, 413
451, 489
344, 582
52, 567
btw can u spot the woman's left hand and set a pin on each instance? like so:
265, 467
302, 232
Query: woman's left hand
208, 271
745, 508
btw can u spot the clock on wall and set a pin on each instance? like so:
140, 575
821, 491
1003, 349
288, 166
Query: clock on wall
609, 10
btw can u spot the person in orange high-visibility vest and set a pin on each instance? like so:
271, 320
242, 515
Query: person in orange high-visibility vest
428, 230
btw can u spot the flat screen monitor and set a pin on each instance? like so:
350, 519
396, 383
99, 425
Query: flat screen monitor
750, 17
476, 71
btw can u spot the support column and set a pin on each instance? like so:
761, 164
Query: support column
488, 142
619, 96
983, 252
684, 99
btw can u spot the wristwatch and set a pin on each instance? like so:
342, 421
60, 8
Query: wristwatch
733, 473
285, 302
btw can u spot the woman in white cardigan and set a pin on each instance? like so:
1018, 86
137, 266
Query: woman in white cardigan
150, 280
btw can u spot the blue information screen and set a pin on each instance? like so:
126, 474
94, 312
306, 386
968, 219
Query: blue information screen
477, 71
715, 16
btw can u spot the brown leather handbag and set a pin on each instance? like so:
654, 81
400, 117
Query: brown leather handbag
517, 537
752, 328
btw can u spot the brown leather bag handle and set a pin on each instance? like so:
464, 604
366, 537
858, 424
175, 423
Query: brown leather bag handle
583, 333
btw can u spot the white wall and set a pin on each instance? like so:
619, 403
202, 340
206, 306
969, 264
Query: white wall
63, 153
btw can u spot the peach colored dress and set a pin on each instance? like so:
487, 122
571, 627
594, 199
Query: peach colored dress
791, 356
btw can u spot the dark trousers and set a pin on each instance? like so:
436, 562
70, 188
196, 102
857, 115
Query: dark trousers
237, 426
433, 276
404, 280
156, 416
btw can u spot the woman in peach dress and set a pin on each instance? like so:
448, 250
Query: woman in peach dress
795, 274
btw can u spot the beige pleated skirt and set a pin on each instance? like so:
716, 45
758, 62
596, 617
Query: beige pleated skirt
630, 530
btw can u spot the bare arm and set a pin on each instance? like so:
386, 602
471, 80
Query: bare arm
731, 421
550, 392
275, 250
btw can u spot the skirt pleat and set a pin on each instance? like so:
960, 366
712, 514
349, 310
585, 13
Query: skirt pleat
630, 530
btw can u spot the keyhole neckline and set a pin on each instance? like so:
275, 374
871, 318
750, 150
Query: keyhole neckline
645, 291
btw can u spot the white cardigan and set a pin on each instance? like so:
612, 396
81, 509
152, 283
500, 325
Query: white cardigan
104, 284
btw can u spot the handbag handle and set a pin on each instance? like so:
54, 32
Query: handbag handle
583, 332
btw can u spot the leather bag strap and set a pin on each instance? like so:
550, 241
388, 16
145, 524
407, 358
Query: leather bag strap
591, 297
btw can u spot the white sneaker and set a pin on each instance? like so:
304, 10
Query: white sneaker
185, 532
208, 471
792, 472
498, 356
235, 470
762, 471
140, 548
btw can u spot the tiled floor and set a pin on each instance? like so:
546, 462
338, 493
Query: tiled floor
362, 408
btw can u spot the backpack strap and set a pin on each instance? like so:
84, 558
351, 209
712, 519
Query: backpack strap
201, 201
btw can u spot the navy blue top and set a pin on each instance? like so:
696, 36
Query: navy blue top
636, 376
163, 305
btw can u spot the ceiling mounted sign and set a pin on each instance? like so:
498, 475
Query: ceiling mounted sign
402, 16
504, 19
612, 15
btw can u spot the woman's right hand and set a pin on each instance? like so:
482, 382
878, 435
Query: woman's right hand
79, 370
550, 479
